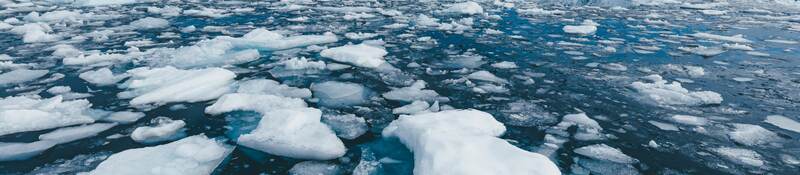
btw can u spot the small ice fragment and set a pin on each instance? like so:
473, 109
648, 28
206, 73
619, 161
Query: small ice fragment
165, 129
752, 135
340, 94
64, 135
740, 156
101, 77
486, 76
783, 122
467, 8
673, 93
689, 120
124, 117
347, 126
359, 55
605, 152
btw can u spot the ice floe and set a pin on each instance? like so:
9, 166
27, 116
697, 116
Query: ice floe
464, 142
740, 156
21, 76
23, 113
783, 122
588, 27
663, 92
165, 129
605, 152
340, 94
415, 92
361, 55
469, 8
296, 133
168, 84
752, 135
102, 77
192, 155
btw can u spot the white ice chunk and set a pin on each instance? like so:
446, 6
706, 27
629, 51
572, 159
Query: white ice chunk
783, 122
103, 2
225, 50
605, 152
505, 65
150, 23
101, 77
340, 94
35, 33
347, 126
486, 76
20, 76
296, 133
168, 84
673, 93
22, 151
124, 117
413, 108
22, 113
303, 63
64, 135
412, 93
663, 126
468, 8
752, 135
588, 128
315, 168
192, 155
689, 120
271, 87
165, 129
740, 156
95, 58
359, 55
734, 38
464, 142
253, 102
587, 28
703, 50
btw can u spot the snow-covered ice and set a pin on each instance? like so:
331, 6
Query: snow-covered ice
783, 122
663, 92
296, 133
464, 142
361, 55
23, 113
165, 129
168, 84
605, 152
191, 155
340, 94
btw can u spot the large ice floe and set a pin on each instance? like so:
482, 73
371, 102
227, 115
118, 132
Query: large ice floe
662, 92
192, 155
225, 50
464, 142
361, 55
168, 84
287, 127
24, 113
